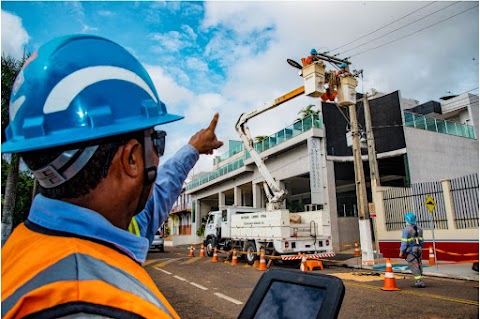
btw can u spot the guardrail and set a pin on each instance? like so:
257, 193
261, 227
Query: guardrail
437, 125
281, 136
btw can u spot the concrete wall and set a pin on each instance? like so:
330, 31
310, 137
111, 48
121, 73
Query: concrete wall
186, 240
435, 156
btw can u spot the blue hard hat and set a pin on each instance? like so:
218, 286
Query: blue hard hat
411, 218
79, 88
313, 52
343, 65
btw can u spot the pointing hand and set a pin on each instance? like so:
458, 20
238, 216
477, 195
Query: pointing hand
205, 140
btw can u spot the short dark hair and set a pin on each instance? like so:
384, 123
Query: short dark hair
90, 175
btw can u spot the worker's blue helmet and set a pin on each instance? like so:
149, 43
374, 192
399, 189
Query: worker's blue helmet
411, 218
313, 52
343, 65
79, 88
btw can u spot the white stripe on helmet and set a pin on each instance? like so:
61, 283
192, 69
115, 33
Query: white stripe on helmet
69, 87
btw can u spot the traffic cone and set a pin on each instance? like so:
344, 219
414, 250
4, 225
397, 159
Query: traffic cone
357, 252
303, 265
202, 251
215, 256
431, 256
191, 254
389, 283
234, 257
263, 263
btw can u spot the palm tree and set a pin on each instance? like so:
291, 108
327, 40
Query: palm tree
308, 112
10, 69
260, 138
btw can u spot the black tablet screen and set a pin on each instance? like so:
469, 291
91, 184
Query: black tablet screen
287, 300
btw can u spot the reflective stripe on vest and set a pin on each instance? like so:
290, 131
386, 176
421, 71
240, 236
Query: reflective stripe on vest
30, 254
133, 227
79, 267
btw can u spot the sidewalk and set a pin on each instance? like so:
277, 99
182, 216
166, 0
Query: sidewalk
462, 271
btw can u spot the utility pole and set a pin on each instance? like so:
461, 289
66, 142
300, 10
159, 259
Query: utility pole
372, 153
358, 165
361, 188
315, 77
372, 160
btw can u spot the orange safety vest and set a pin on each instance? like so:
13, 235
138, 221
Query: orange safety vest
49, 276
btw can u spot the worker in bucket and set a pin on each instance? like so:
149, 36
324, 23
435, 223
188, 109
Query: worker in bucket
411, 248
82, 114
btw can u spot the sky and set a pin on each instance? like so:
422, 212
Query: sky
230, 56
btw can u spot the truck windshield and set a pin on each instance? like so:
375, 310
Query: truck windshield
210, 219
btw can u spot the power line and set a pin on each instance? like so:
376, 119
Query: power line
382, 27
406, 25
413, 32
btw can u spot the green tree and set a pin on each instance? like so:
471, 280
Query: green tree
10, 69
24, 192
308, 111
260, 138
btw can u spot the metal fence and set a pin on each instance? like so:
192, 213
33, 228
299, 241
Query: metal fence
465, 200
399, 200
464, 191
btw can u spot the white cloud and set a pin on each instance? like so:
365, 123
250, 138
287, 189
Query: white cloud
172, 41
189, 31
416, 65
196, 65
89, 29
106, 13
14, 35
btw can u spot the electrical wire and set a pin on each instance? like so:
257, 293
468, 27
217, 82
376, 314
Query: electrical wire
403, 37
388, 24
406, 25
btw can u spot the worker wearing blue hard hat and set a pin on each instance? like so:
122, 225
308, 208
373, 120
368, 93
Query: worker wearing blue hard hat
82, 116
411, 247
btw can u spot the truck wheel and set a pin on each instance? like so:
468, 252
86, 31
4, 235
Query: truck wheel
210, 247
250, 252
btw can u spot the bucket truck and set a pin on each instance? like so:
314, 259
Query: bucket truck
273, 228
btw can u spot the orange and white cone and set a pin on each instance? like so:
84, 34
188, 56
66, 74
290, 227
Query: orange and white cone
356, 252
215, 256
191, 254
389, 283
431, 256
263, 264
303, 265
202, 251
234, 257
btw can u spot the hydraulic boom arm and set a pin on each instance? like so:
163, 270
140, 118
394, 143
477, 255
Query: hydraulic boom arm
273, 191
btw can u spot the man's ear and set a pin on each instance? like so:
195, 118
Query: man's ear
131, 158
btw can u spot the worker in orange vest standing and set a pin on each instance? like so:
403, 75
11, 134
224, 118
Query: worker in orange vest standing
82, 114
411, 248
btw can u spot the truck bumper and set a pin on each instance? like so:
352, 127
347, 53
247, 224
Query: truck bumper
308, 256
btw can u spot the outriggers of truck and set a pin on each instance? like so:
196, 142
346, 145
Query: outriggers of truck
274, 228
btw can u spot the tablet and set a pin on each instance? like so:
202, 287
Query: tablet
282, 294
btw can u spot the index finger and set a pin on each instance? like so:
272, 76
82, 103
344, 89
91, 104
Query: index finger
213, 123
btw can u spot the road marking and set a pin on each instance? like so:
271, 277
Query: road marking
148, 262
415, 293
458, 300
192, 260
235, 301
198, 286
180, 278
167, 272
166, 262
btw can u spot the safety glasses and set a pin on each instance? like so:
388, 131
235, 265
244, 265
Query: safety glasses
158, 139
